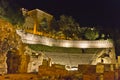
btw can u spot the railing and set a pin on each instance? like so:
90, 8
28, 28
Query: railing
35, 39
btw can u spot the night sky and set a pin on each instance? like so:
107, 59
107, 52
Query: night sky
105, 13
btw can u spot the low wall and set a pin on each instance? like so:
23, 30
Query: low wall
35, 39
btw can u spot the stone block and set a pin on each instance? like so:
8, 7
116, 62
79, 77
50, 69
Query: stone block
89, 77
109, 75
99, 68
2, 78
110, 67
117, 66
58, 66
117, 75
106, 67
118, 59
20, 77
87, 68
51, 71
45, 62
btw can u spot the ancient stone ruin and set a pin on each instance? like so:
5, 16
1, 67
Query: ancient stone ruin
12, 57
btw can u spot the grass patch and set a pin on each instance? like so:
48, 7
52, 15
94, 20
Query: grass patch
39, 47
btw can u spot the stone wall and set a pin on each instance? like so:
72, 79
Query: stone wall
19, 77
3, 64
12, 56
34, 39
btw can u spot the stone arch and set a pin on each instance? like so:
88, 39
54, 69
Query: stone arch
13, 62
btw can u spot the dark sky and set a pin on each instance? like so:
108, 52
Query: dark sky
104, 13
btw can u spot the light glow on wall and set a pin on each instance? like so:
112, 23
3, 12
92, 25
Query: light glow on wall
34, 39
66, 44
83, 45
47, 42
101, 45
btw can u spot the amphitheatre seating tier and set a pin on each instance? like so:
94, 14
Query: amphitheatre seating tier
70, 59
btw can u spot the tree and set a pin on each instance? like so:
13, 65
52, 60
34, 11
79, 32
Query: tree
44, 25
81, 32
11, 12
54, 25
91, 34
68, 25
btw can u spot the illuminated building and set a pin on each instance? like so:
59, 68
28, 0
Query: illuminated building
34, 20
